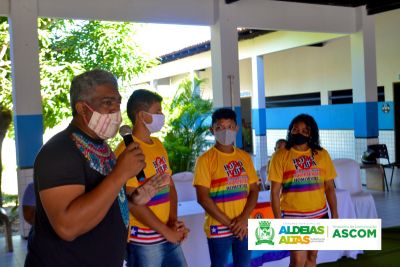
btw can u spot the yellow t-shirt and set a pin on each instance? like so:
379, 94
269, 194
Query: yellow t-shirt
302, 176
228, 176
156, 158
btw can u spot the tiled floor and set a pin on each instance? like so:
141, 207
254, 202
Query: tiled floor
387, 204
15, 258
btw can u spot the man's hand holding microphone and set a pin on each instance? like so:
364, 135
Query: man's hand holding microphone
131, 163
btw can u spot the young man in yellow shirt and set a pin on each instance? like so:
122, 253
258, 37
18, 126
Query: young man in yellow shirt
226, 187
154, 232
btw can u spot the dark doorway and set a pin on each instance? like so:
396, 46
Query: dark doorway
247, 135
396, 106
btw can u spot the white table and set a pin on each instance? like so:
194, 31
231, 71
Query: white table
195, 247
346, 210
344, 204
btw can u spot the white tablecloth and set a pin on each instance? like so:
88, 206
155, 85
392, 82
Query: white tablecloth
344, 204
195, 247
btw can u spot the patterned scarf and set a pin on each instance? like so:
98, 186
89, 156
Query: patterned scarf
102, 160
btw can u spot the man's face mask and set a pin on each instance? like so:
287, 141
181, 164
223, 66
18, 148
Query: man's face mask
105, 125
157, 122
225, 137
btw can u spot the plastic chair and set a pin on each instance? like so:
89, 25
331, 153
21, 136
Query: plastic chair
348, 175
184, 186
381, 152
349, 178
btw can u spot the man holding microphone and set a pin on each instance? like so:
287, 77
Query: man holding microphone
82, 206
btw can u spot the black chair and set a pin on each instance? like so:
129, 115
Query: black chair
381, 152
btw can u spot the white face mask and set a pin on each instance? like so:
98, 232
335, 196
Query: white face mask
157, 122
225, 137
105, 125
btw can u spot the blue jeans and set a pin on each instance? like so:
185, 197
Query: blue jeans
220, 248
165, 254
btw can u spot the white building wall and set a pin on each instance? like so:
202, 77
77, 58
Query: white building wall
304, 69
311, 69
387, 50
206, 86
245, 76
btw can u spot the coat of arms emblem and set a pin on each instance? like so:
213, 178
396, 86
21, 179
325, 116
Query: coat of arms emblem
265, 233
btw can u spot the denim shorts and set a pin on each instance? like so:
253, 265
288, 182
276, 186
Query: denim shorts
165, 254
220, 249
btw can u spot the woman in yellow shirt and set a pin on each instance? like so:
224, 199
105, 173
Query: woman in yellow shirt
301, 178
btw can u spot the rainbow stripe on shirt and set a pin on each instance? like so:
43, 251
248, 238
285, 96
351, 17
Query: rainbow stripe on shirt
302, 180
161, 197
229, 189
306, 177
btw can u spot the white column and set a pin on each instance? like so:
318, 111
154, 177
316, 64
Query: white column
28, 119
258, 117
364, 80
225, 64
25, 57
363, 59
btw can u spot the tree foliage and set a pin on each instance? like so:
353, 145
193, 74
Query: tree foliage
114, 48
188, 128
5, 65
67, 48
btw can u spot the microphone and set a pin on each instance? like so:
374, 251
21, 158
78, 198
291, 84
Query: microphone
126, 132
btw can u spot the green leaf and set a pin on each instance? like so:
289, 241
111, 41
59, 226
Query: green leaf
186, 135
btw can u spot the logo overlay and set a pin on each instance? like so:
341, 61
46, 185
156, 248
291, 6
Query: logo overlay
264, 233
314, 234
